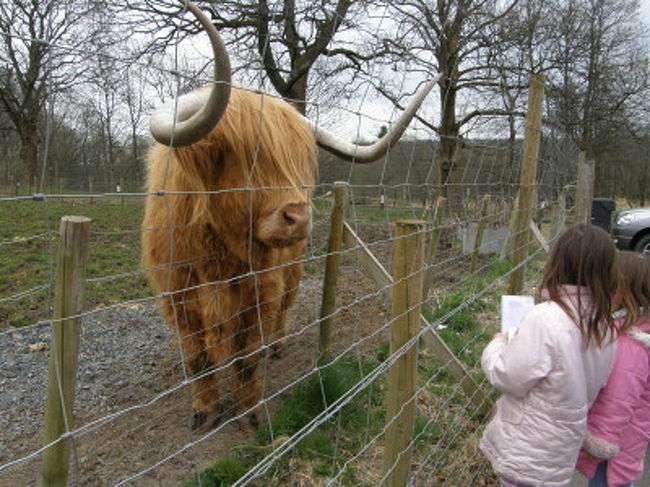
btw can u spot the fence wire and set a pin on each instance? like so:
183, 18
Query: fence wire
316, 423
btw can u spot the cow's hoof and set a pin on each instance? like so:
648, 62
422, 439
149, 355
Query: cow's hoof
249, 423
207, 421
277, 350
198, 419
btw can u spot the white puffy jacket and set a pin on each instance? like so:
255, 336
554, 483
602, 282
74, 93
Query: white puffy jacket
548, 381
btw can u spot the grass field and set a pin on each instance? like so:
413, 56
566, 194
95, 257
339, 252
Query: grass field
29, 235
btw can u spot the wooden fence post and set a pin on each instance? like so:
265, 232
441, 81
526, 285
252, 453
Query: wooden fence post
401, 378
478, 241
527, 180
584, 189
431, 339
121, 190
68, 301
332, 264
507, 243
91, 190
558, 217
432, 245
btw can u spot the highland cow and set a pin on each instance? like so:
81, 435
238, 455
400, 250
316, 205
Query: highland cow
226, 223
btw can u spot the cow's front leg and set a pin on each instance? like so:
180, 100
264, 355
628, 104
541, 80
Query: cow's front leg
247, 386
184, 317
220, 322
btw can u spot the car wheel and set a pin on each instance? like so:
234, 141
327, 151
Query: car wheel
643, 245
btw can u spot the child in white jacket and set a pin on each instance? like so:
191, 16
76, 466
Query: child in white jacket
551, 370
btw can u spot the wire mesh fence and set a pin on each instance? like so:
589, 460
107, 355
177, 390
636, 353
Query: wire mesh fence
217, 374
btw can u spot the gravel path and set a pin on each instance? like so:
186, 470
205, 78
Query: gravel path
127, 358
106, 367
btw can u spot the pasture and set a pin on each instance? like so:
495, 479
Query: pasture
29, 233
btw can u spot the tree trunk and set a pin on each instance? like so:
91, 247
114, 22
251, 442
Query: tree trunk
297, 94
134, 171
448, 136
29, 155
447, 55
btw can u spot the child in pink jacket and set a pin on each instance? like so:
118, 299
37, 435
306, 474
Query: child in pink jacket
551, 370
619, 421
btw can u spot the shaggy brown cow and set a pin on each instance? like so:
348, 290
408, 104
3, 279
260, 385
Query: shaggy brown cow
226, 222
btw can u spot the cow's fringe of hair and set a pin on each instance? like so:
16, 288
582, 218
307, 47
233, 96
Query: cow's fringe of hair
263, 141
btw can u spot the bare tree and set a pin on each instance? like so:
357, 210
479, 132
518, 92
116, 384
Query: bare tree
517, 48
135, 99
39, 53
285, 39
602, 66
107, 81
595, 56
448, 37
589, 49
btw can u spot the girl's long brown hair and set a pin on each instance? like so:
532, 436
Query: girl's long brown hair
634, 286
584, 256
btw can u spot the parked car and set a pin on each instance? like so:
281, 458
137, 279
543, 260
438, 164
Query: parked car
631, 230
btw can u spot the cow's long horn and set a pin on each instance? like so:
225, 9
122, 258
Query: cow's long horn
370, 153
194, 115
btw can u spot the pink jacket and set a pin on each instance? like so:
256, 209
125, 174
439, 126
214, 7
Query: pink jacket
548, 381
619, 421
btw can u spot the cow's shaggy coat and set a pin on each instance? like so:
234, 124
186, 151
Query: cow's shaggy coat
221, 243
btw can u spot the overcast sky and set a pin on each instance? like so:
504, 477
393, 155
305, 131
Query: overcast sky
378, 110
645, 11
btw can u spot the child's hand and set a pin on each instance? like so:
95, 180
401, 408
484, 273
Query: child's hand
500, 335
588, 456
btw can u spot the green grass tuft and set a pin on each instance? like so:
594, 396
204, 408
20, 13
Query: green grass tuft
222, 474
320, 450
462, 320
318, 444
313, 396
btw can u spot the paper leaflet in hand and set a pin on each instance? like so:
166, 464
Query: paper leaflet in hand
513, 311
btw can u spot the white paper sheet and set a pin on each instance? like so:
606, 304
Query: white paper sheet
513, 310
